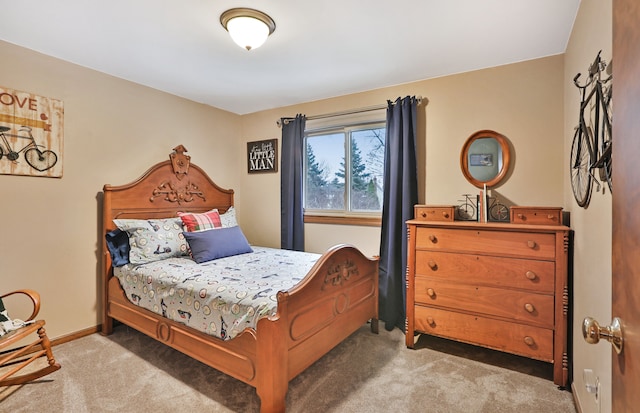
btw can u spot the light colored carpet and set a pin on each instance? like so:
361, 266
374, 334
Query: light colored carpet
129, 372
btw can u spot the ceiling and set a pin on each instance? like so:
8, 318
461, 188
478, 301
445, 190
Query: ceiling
320, 49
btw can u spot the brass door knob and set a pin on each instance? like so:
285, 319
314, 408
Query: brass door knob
593, 332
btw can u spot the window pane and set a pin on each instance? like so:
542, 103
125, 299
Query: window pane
367, 168
324, 187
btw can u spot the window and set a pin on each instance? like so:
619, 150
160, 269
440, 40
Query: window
344, 169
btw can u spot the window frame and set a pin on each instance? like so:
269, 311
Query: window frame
344, 216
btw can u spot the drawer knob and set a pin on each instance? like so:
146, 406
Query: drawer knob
432, 264
424, 215
529, 307
433, 238
430, 292
551, 217
531, 244
430, 321
521, 216
529, 341
445, 214
531, 275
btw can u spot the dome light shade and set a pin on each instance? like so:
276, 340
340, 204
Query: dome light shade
249, 28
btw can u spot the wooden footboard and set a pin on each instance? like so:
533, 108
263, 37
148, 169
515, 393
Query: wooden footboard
236, 357
337, 296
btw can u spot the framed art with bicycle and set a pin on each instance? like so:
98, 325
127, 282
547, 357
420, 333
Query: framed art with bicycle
31, 134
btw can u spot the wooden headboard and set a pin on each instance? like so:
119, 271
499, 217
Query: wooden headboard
165, 189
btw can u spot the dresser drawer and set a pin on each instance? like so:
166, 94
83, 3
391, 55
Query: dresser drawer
536, 215
433, 213
504, 243
510, 304
524, 340
488, 270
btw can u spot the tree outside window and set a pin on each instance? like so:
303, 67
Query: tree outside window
353, 155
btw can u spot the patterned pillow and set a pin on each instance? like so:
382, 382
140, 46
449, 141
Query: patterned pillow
4, 316
5, 321
153, 239
200, 222
228, 219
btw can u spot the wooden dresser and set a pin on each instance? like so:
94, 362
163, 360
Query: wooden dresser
496, 285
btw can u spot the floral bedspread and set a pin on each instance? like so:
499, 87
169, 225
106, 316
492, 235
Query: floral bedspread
220, 297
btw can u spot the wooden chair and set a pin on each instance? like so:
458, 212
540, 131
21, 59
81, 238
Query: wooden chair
13, 360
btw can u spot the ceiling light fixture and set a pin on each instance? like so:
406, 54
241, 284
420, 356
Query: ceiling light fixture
249, 28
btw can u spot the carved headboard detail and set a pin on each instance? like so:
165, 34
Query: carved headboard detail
180, 161
171, 193
176, 191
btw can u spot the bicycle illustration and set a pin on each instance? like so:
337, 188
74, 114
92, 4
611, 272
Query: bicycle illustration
38, 159
466, 211
497, 210
591, 147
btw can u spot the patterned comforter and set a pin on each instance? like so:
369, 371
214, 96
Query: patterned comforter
220, 297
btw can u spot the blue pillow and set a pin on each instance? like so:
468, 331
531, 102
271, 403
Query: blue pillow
118, 246
217, 243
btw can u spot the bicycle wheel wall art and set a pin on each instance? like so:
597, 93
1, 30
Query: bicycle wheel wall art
31, 134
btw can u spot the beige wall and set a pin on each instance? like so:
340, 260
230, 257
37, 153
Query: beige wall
114, 130
592, 32
523, 101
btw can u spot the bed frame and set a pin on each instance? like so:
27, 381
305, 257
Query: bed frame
337, 297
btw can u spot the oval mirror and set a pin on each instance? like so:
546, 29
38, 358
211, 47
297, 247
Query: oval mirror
485, 157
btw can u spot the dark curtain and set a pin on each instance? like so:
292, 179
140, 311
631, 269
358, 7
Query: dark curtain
291, 175
400, 195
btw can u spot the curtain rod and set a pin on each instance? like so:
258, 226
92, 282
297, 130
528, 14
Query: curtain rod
347, 112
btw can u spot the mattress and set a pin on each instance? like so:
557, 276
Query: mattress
220, 297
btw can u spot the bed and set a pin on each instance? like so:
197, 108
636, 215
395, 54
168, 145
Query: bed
336, 297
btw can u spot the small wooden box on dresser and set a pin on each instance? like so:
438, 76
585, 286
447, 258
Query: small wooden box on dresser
497, 285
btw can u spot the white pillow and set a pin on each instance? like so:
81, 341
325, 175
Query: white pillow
228, 219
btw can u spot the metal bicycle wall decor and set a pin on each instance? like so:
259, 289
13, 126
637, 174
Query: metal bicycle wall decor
590, 161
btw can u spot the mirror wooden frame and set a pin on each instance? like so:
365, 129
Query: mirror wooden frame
506, 158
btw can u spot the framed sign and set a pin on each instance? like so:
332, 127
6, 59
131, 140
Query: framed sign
262, 156
31, 134
481, 159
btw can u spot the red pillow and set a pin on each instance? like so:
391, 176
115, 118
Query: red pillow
200, 222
